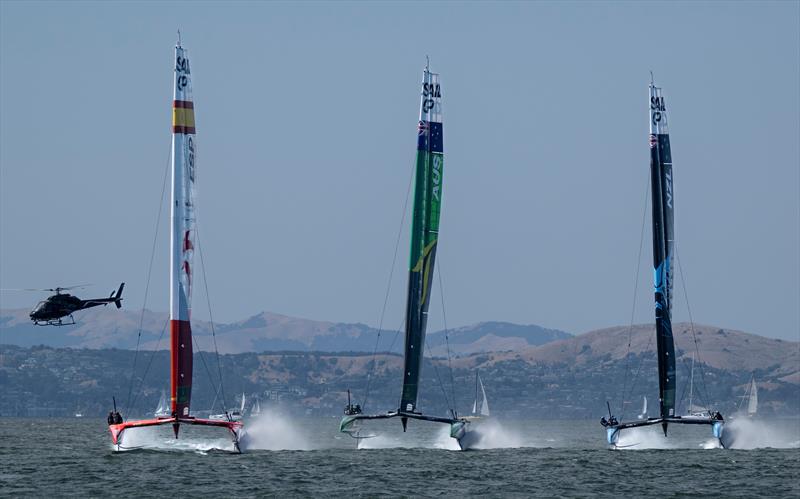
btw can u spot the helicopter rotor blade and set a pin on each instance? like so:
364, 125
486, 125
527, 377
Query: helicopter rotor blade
55, 290
66, 288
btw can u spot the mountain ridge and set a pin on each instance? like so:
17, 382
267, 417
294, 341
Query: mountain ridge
265, 331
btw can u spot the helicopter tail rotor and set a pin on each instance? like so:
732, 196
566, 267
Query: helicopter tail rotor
118, 296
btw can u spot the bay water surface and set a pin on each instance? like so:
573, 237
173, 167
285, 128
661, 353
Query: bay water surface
305, 457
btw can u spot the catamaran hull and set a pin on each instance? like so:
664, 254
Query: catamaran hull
717, 428
459, 428
235, 428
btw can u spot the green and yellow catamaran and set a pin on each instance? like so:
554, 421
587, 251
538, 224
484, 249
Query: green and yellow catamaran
424, 239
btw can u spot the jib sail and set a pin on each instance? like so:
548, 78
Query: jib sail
424, 233
661, 181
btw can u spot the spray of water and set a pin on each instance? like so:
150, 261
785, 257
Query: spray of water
274, 431
492, 434
744, 433
382, 442
443, 440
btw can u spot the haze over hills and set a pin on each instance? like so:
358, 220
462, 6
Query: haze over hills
528, 370
111, 328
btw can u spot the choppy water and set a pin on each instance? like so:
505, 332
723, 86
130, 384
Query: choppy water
73, 457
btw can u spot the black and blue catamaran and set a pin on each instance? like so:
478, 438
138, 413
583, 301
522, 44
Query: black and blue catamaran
663, 200
424, 240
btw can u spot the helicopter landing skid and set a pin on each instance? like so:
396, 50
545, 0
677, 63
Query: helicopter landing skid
56, 322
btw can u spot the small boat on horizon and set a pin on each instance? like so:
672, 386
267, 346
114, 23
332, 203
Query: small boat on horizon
479, 411
162, 410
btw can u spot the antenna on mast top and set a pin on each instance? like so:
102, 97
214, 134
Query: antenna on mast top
427, 63
179, 38
651, 78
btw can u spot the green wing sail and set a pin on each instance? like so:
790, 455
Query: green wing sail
424, 234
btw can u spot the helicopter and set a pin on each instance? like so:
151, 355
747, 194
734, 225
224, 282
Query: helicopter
53, 310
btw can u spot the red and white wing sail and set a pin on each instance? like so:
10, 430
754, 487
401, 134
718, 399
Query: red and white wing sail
183, 235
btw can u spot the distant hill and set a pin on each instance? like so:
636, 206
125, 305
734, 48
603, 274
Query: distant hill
111, 328
571, 377
719, 348
492, 337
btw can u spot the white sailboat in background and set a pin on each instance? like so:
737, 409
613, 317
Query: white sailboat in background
162, 411
484, 405
751, 395
643, 414
752, 404
256, 409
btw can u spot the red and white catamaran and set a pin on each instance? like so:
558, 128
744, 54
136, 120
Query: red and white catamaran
181, 269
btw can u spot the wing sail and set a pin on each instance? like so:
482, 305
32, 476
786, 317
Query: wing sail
424, 233
183, 236
661, 180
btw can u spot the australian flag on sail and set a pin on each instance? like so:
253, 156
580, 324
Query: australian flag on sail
429, 137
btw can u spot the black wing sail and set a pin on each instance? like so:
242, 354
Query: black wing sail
663, 236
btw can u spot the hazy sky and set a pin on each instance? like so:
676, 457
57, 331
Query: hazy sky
306, 118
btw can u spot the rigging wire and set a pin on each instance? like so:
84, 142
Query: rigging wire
633, 307
149, 274
447, 337
705, 400
389, 287
213, 330
438, 377
147, 368
397, 333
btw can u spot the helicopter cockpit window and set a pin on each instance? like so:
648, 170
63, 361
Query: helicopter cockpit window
42, 305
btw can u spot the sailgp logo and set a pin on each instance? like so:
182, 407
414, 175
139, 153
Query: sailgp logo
437, 175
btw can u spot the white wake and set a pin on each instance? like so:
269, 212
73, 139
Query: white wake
272, 430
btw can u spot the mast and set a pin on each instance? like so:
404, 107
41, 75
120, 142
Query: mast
182, 239
663, 237
424, 234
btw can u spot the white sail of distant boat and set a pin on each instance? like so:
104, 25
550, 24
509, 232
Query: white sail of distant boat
163, 407
752, 403
484, 406
751, 396
256, 409
643, 414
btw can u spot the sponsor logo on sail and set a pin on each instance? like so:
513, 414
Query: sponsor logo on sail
437, 175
